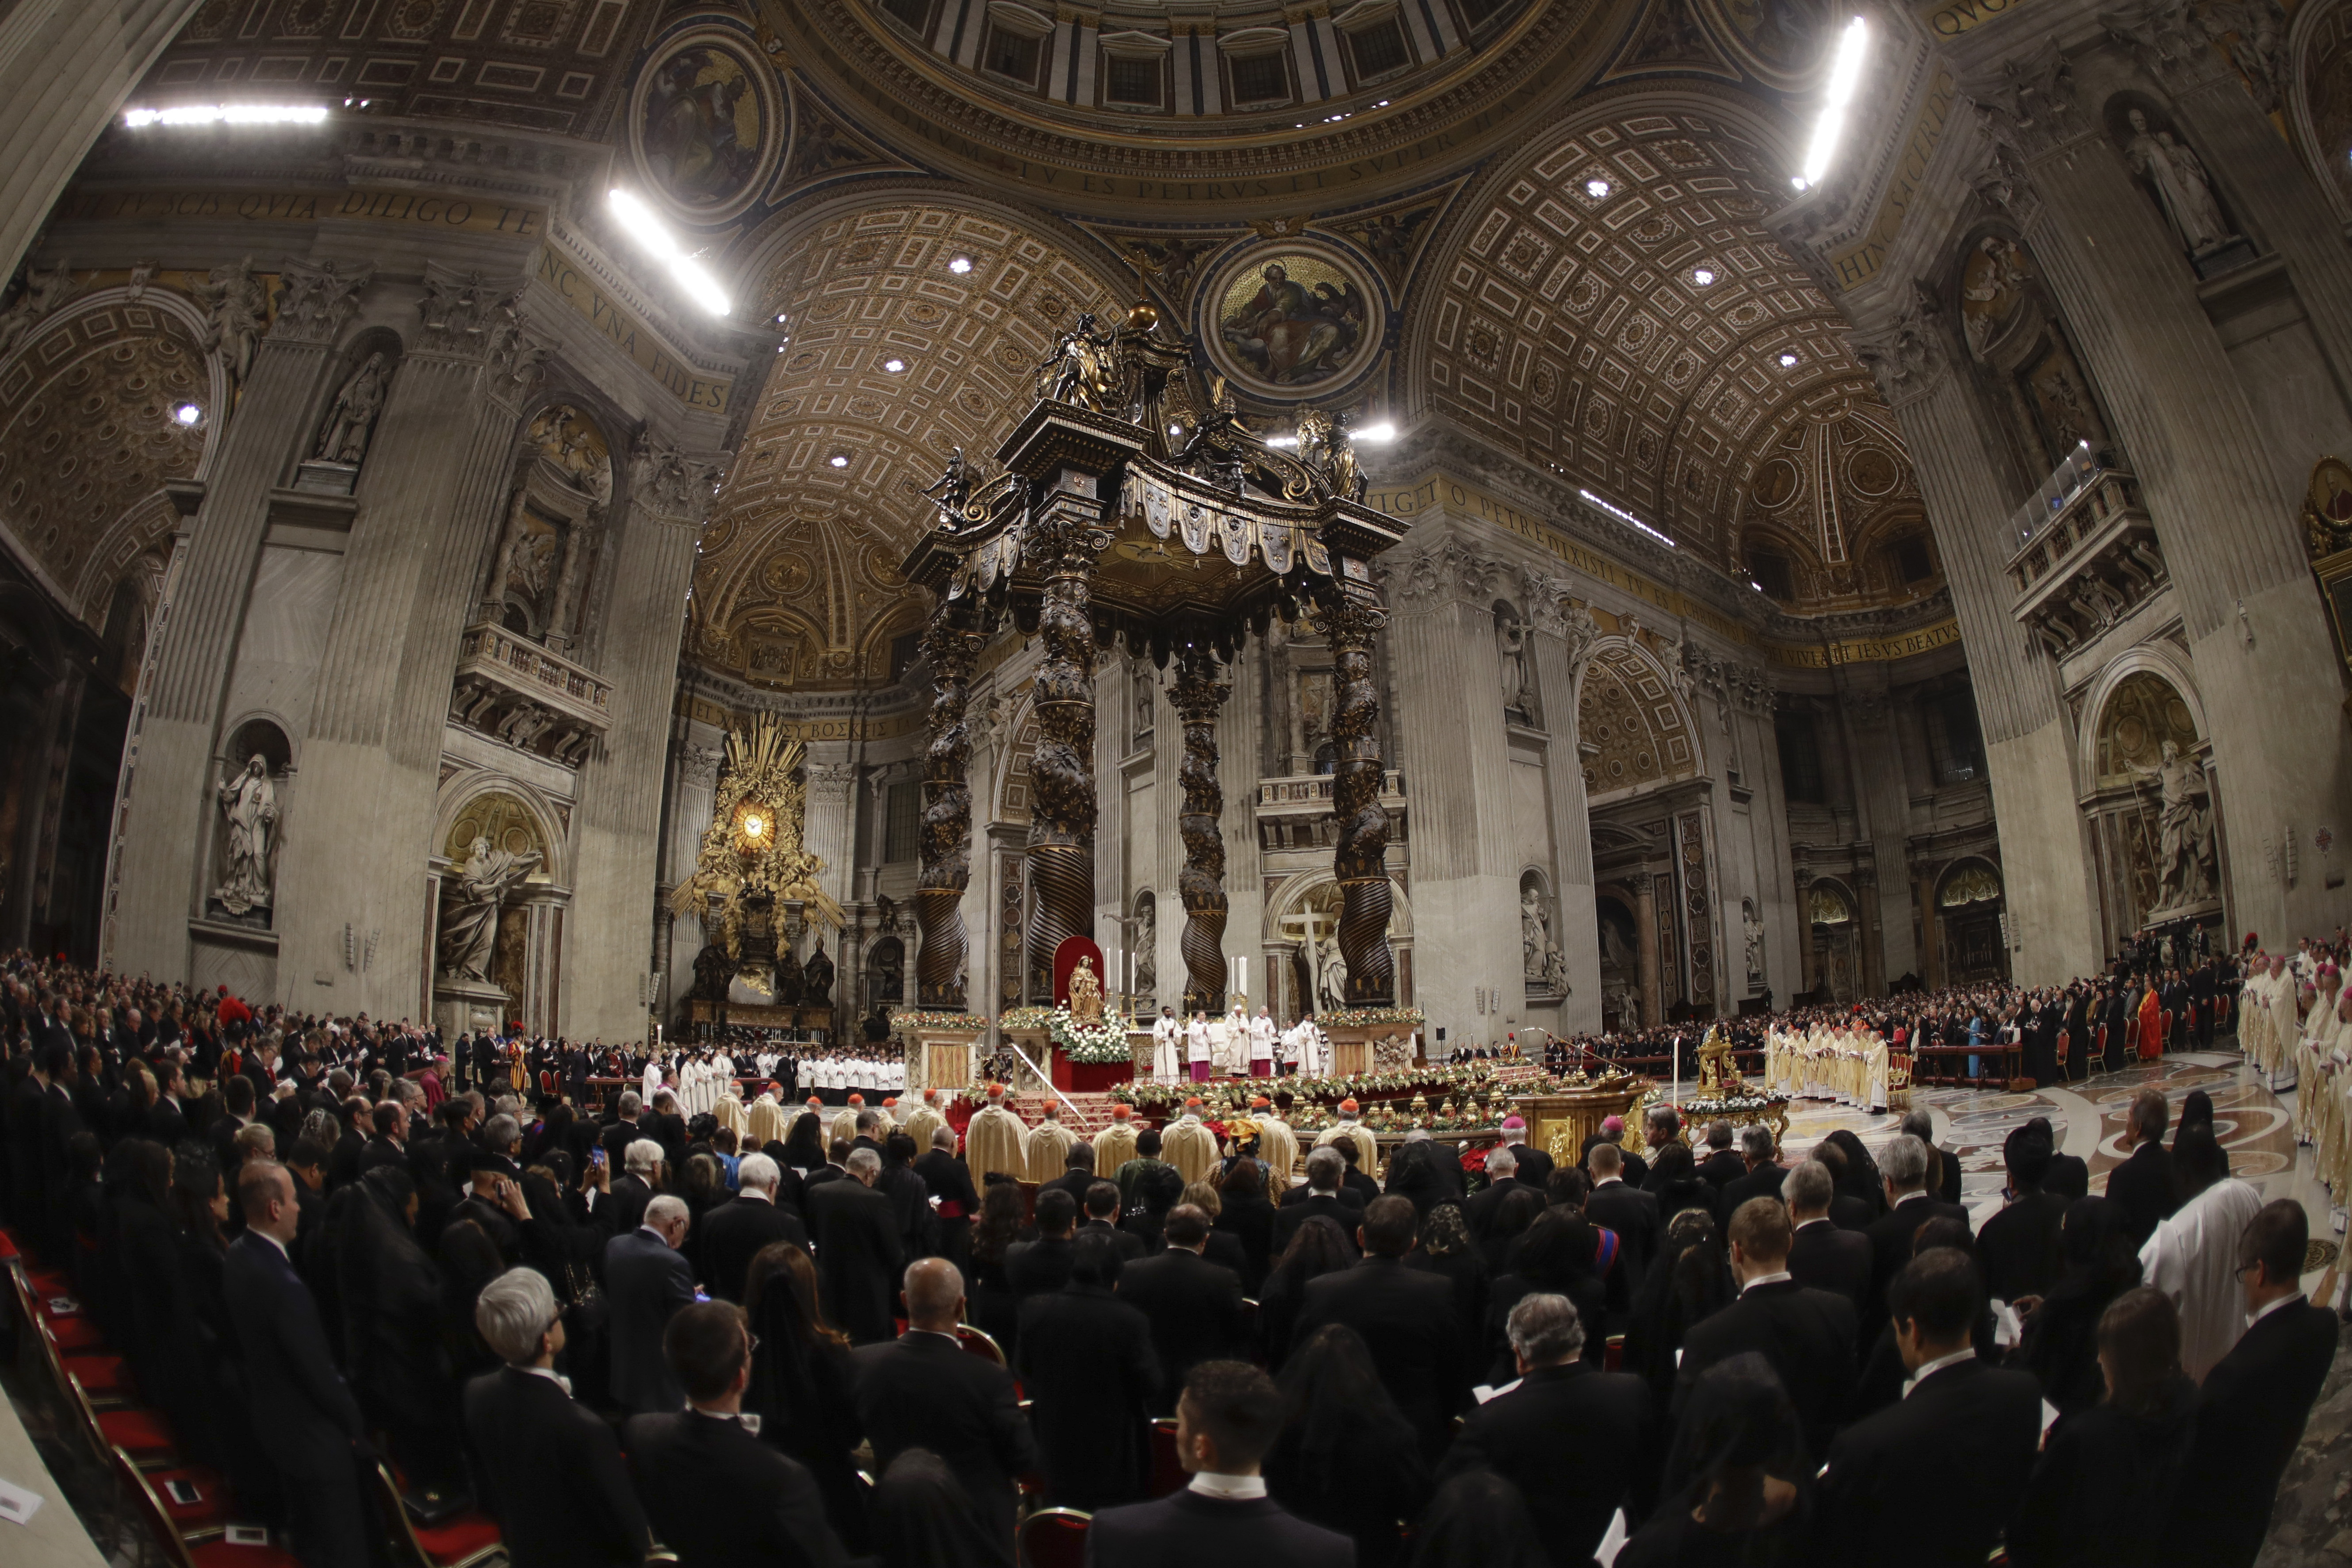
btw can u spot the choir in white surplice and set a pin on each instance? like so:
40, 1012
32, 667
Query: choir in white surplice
1848, 1064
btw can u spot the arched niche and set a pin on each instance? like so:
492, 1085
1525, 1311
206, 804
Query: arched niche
253, 800
1630, 711
1621, 947
544, 574
2140, 711
1830, 910
886, 973
1971, 897
351, 403
1543, 960
524, 955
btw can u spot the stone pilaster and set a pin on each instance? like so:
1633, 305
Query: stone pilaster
1560, 637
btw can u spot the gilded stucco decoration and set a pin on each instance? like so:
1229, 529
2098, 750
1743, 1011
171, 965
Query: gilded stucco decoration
1625, 707
87, 440
797, 585
753, 857
1610, 304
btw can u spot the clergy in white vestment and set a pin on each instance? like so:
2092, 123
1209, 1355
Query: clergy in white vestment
1115, 1145
925, 1119
652, 1079
1196, 1048
1260, 1044
1277, 1146
1167, 1045
2193, 1259
994, 1141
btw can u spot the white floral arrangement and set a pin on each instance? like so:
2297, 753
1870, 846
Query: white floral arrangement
1098, 1042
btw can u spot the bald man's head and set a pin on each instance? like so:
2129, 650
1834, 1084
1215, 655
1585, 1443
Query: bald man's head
934, 1295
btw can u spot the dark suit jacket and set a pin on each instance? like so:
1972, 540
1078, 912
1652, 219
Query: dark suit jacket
859, 1256
1479, 1208
1042, 1266
1891, 1236
644, 1282
925, 1391
1828, 1258
731, 1235
2021, 1249
615, 1139
1129, 1244
1603, 1419
1894, 1476
718, 1495
2147, 1187
623, 1208
1407, 1319
1187, 1530
1087, 1366
1763, 1182
1535, 1166
550, 1473
303, 1415
1339, 1207
1195, 1308
1632, 1214
1723, 1167
2250, 1416
1808, 1335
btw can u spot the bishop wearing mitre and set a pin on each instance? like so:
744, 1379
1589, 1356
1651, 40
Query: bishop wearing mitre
996, 1140
1115, 1145
1368, 1148
1049, 1146
1189, 1146
1277, 1146
925, 1119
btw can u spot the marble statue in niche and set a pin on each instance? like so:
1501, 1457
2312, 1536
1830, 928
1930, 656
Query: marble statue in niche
2184, 861
248, 803
1751, 931
1541, 962
1518, 683
344, 436
236, 308
1147, 946
469, 917
2182, 187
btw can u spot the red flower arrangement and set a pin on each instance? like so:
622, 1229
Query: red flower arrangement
1474, 1162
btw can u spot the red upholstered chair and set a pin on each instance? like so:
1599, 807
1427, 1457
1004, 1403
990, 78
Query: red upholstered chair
980, 1342
154, 1516
1054, 1538
204, 1518
466, 1539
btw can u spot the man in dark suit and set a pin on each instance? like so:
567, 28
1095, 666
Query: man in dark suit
1092, 1378
1352, 1180
1821, 1255
1903, 1169
1619, 1205
1228, 1418
1101, 1218
924, 1390
2146, 1185
1563, 1406
1943, 1166
1761, 1176
666, 1127
1194, 1306
2020, 1247
544, 1467
858, 1253
717, 1495
733, 1232
1406, 1317
1896, 1475
617, 1136
2251, 1408
646, 1279
1807, 1335
1077, 1173
1502, 1180
633, 1188
949, 1179
1534, 1164
304, 1417
1042, 1266
1323, 1196
1722, 1165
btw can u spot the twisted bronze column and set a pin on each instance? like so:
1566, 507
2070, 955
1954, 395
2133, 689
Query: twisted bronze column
952, 644
1198, 695
1063, 536
1359, 864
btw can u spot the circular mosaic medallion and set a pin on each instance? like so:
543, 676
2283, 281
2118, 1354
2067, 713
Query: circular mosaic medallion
707, 124
1294, 319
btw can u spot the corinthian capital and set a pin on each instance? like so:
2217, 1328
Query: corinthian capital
671, 486
315, 298
462, 315
1447, 570
1907, 355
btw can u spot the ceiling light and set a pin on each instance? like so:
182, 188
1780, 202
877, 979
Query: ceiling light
1622, 515
1788, 361
1702, 276
1755, 585
187, 414
779, 318
653, 237
228, 114
960, 265
1282, 440
1376, 433
1844, 74
893, 366
839, 459
1597, 188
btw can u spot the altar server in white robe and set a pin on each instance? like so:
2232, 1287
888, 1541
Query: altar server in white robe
1260, 1044
1196, 1048
1167, 1045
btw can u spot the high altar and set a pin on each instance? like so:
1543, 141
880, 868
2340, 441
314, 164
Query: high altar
1134, 503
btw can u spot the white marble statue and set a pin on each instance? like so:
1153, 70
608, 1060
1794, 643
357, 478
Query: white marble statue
351, 420
1331, 973
1751, 930
249, 803
469, 917
2182, 187
2183, 867
236, 308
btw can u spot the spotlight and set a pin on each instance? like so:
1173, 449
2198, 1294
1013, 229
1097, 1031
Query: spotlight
893, 366
653, 237
1844, 73
960, 266
1702, 276
187, 414
230, 114
1377, 434
839, 459
1787, 361
1597, 188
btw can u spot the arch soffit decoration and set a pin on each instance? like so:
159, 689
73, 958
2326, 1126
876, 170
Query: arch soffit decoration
1570, 330
798, 571
1012, 793
2159, 659
1978, 872
118, 495
463, 791
1629, 707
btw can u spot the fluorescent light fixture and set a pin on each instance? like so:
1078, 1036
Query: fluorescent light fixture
653, 237
187, 414
1622, 515
227, 115
1844, 73
1598, 189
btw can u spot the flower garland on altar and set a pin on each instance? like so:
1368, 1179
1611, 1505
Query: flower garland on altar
1093, 1043
901, 1022
1371, 1017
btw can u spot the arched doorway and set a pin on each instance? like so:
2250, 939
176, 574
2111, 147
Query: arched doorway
1970, 901
1837, 951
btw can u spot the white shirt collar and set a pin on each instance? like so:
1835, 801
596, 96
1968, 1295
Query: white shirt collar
1607, 1182
273, 1241
2286, 1300
1766, 1279
1930, 1369
1808, 1225
1915, 1193
1229, 1489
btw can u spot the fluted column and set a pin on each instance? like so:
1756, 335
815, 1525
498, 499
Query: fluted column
951, 643
1064, 536
608, 940
2252, 614
1198, 694
375, 739
1967, 482
1347, 618
166, 790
